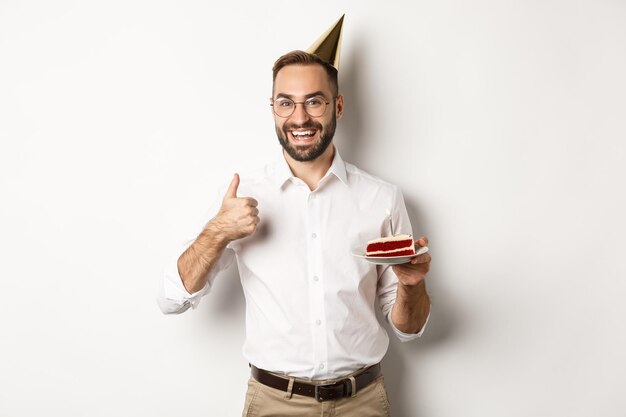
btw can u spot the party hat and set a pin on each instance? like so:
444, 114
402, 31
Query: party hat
328, 46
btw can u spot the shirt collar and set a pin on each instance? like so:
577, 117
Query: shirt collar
338, 168
282, 172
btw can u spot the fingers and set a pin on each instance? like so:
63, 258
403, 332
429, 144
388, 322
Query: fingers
246, 211
238, 216
231, 192
232, 188
408, 275
422, 241
251, 202
421, 259
414, 271
418, 268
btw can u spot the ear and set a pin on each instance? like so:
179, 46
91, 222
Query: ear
272, 108
339, 106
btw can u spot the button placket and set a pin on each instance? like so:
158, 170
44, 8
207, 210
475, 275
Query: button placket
317, 290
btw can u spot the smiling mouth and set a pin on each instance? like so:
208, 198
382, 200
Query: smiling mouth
303, 136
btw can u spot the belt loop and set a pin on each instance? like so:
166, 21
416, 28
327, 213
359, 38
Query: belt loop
290, 389
353, 382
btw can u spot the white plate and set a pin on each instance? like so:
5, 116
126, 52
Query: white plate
391, 260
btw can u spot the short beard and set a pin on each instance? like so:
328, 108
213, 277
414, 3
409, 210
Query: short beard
309, 154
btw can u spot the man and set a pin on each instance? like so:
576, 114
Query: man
312, 337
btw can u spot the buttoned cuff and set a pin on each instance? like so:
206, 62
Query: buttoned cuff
174, 297
406, 337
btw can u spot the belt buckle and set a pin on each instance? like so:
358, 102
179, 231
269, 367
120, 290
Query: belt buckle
329, 391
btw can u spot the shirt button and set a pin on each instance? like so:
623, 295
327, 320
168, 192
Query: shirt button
318, 322
321, 366
313, 235
316, 278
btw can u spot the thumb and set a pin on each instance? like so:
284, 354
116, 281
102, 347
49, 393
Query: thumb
232, 188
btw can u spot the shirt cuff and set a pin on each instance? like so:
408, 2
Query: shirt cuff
406, 337
173, 298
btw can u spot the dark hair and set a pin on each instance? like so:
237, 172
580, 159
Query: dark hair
305, 58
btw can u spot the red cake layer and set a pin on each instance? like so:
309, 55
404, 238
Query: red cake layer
391, 245
398, 245
407, 252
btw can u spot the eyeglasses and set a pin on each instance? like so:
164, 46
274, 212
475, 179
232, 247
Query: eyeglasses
313, 106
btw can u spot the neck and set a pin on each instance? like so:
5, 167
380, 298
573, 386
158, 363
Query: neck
311, 172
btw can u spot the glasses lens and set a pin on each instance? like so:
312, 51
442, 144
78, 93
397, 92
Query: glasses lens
283, 107
315, 106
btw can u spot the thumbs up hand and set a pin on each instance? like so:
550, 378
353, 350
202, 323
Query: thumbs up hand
238, 217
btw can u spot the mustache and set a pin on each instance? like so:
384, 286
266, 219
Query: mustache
306, 125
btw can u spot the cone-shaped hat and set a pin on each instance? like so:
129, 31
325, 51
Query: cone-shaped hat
328, 46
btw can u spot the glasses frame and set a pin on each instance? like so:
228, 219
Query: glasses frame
326, 103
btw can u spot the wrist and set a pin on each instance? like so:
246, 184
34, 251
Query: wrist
412, 290
216, 233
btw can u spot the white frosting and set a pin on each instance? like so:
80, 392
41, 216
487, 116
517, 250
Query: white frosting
390, 239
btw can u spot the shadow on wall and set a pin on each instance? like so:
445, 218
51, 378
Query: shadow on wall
351, 127
227, 301
405, 393
445, 320
401, 358
224, 306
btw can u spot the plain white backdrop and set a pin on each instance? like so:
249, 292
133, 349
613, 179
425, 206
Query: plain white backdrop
502, 121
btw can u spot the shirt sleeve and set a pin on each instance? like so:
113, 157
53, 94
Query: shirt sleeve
172, 297
387, 290
387, 279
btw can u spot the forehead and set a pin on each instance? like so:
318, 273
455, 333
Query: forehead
300, 80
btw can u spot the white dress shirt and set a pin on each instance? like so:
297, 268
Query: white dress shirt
310, 303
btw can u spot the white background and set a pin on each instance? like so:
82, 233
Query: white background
502, 121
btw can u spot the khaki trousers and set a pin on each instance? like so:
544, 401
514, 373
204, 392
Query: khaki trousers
263, 401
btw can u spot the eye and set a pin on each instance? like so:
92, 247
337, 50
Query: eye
284, 103
314, 102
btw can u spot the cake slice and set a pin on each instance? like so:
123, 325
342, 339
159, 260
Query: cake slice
399, 245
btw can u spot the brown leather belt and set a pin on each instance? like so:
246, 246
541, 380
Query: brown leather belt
321, 392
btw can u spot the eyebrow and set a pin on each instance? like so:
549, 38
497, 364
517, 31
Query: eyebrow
289, 96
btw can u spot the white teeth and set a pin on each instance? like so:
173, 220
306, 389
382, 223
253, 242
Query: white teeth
302, 133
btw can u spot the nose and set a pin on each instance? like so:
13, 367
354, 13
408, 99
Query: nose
299, 115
